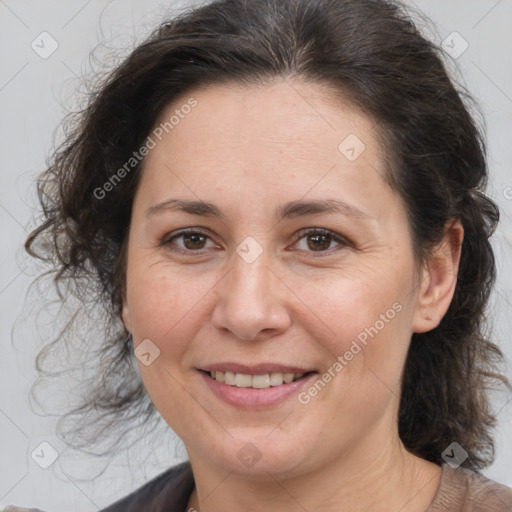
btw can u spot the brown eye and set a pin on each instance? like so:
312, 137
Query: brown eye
194, 241
320, 240
186, 241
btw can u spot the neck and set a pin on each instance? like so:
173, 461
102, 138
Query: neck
365, 480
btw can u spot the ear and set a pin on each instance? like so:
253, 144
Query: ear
438, 279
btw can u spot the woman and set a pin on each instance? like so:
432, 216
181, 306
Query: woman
282, 204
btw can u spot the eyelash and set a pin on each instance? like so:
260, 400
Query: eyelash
166, 241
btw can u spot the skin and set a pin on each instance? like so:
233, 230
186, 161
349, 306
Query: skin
249, 150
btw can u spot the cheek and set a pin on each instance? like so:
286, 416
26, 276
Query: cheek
366, 319
165, 307
365, 354
355, 307
164, 304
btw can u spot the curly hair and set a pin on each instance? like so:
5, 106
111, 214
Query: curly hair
368, 51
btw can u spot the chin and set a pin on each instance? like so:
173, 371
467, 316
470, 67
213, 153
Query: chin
261, 457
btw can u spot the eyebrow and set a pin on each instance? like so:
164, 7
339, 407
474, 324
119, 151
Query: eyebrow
290, 210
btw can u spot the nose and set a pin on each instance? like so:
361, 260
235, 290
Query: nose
252, 301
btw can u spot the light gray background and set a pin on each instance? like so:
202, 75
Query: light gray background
34, 94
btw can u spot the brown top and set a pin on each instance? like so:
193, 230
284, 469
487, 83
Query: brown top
460, 490
467, 491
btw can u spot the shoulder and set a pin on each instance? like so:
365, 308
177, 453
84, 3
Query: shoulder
465, 490
11, 508
169, 492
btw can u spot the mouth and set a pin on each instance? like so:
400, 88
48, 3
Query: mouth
256, 387
258, 381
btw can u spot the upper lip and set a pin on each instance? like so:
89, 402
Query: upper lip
258, 369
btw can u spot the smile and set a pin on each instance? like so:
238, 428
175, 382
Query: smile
255, 390
243, 380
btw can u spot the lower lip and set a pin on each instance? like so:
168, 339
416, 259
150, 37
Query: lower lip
252, 398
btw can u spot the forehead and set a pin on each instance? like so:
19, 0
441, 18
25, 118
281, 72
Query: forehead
290, 124
278, 141
297, 111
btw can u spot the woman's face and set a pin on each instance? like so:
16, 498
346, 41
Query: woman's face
300, 261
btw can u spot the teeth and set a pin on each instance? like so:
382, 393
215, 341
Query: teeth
276, 379
260, 381
229, 378
288, 377
242, 380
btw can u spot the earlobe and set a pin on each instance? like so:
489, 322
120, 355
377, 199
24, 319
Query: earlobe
438, 280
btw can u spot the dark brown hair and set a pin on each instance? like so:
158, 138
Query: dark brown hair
368, 51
